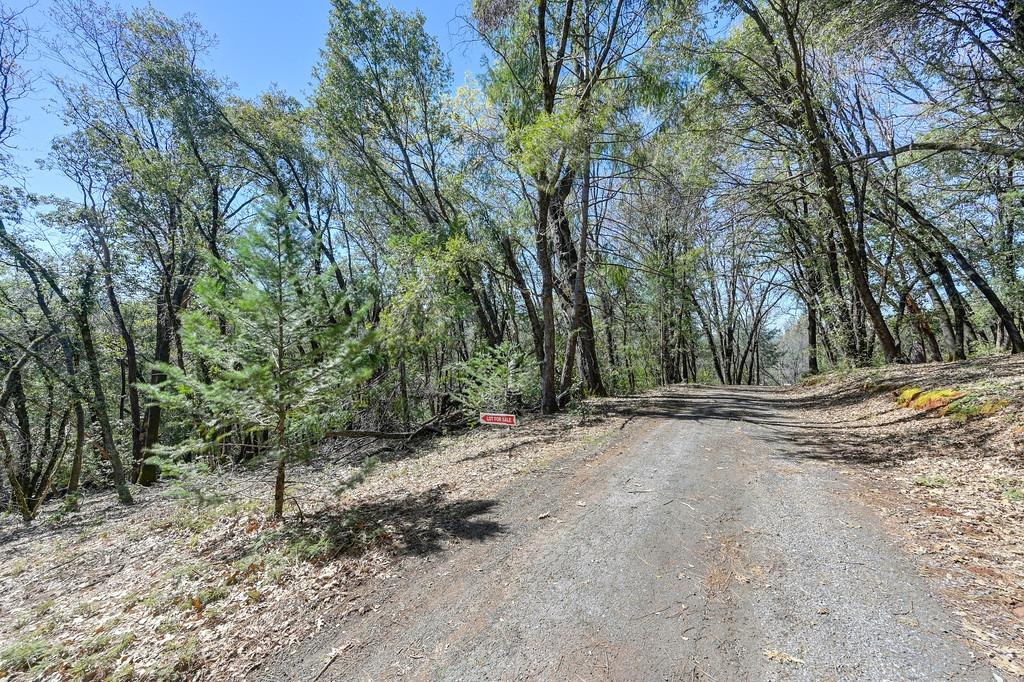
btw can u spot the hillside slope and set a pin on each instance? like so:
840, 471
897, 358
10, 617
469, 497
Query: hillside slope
197, 582
941, 447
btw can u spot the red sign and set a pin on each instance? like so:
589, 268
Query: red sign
500, 419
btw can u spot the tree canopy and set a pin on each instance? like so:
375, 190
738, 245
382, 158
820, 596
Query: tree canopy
628, 194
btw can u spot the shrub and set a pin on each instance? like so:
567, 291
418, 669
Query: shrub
497, 379
964, 409
919, 399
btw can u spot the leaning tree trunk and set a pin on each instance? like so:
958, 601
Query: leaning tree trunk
825, 170
950, 340
976, 278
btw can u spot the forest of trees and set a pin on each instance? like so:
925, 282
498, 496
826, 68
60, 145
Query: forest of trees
630, 193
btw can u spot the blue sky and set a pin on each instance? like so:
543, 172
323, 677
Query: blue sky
260, 43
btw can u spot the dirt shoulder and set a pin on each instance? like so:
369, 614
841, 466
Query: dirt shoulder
196, 582
946, 472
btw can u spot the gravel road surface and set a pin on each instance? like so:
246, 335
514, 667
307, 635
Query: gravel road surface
708, 542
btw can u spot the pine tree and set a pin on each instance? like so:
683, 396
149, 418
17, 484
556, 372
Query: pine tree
281, 356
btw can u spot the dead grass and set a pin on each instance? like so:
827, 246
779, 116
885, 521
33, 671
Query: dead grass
943, 446
197, 582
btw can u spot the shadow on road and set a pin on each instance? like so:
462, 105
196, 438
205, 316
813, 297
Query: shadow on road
852, 442
409, 525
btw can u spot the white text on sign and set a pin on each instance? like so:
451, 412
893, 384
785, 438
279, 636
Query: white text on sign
499, 419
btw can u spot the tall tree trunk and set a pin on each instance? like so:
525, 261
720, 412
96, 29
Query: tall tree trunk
549, 72
536, 325
282, 459
24, 433
573, 260
706, 326
608, 313
74, 479
131, 356
100, 411
161, 355
548, 387
812, 336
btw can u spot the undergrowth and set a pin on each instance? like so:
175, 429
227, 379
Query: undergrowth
960, 405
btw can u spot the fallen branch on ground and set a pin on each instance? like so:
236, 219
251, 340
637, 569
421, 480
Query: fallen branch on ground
422, 429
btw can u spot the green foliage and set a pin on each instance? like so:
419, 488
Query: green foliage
502, 378
378, 57
171, 469
185, 660
538, 144
204, 597
279, 349
353, 533
972, 406
383, 104
428, 296
30, 655
98, 657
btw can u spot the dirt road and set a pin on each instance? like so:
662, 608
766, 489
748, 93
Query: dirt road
708, 543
